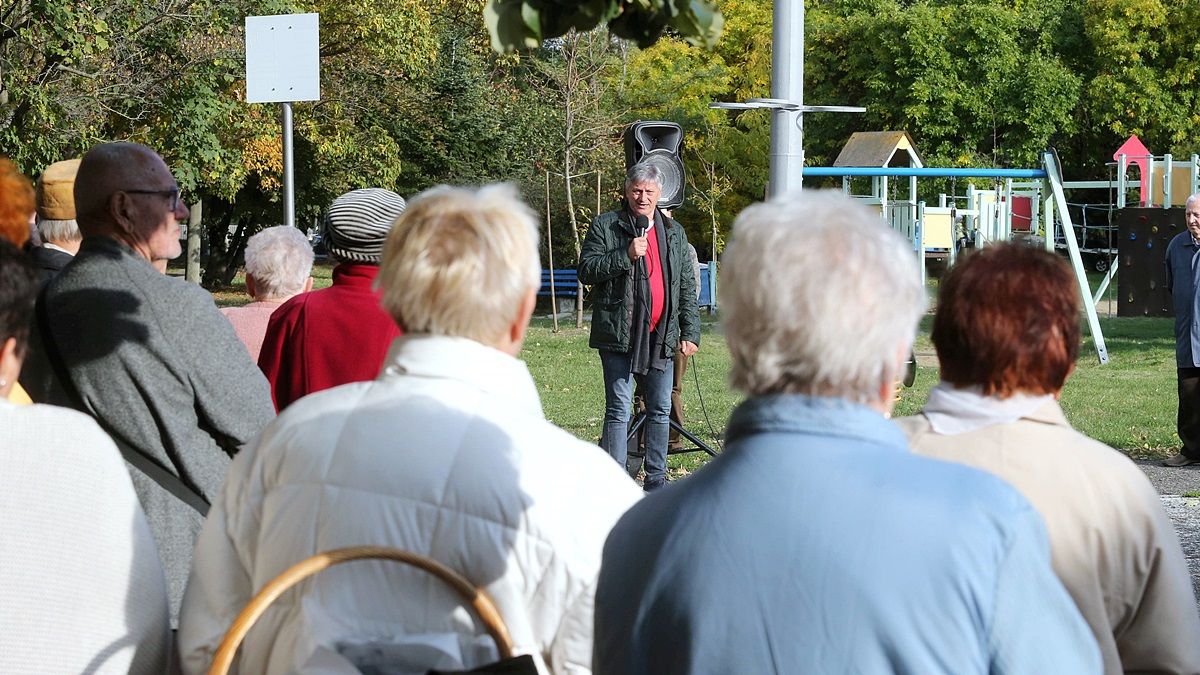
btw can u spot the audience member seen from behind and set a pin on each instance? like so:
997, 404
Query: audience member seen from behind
446, 454
147, 355
817, 542
278, 263
338, 334
16, 210
1007, 336
16, 204
56, 225
83, 588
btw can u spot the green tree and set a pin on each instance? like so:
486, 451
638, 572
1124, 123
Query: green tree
571, 73
724, 154
676, 82
976, 83
524, 24
1140, 66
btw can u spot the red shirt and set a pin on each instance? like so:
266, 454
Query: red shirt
658, 288
327, 338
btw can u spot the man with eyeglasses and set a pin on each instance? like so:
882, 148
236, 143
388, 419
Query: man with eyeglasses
147, 355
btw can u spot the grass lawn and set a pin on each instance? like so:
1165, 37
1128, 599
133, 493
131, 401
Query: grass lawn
1128, 404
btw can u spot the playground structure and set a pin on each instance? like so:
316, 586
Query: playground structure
1026, 204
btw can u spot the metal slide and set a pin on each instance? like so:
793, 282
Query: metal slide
1054, 182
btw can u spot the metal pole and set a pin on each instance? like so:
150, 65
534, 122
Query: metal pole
922, 172
550, 258
289, 179
195, 218
1195, 167
1168, 176
787, 83
1089, 305
1122, 166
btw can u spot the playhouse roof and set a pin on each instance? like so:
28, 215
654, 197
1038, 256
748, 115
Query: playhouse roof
879, 149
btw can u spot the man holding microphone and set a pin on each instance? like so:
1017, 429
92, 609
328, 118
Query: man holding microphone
643, 310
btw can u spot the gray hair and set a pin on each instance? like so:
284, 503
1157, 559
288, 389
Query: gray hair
280, 260
643, 173
1191, 199
820, 298
58, 230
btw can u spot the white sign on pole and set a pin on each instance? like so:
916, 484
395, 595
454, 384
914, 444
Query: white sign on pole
283, 55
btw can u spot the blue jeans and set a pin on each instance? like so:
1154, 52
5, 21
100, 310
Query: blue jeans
618, 401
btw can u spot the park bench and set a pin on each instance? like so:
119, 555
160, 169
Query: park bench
566, 285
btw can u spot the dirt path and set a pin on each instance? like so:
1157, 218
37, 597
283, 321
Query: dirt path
1172, 485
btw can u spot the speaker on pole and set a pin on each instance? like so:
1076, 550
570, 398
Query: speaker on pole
659, 144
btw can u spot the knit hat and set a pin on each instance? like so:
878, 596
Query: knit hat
358, 222
56, 191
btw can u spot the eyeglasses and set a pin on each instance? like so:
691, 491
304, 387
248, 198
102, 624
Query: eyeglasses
174, 193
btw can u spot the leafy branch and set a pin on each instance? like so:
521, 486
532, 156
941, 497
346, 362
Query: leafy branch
517, 25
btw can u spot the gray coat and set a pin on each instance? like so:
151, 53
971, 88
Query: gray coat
160, 368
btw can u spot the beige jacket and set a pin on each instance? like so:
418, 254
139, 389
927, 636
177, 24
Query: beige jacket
1112, 545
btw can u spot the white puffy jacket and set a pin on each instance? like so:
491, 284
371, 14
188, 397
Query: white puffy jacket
446, 454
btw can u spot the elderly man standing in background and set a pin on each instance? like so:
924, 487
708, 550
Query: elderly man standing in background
56, 225
1182, 281
278, 263
643, 312
147, 355
817, 543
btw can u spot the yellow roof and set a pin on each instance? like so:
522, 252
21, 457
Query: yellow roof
879, 149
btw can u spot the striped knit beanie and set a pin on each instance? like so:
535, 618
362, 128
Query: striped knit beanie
357, 223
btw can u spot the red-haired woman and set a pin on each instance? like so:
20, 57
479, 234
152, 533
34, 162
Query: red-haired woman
1007, 336
16, 204
16, 220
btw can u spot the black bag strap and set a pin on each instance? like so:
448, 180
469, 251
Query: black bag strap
152, 469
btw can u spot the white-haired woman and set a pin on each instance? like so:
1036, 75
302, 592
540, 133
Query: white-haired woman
279, 263
446, 453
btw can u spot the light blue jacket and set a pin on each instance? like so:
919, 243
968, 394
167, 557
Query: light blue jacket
816, 543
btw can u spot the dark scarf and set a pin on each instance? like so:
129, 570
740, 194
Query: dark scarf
646, 347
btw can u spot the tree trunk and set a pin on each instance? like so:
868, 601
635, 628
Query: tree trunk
570, 54
234, 256
218, 231
712, 207
195, 220
574, 229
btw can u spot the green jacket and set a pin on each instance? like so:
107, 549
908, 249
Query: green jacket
605, 265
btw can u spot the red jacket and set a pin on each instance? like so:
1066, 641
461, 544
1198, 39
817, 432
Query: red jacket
328, 337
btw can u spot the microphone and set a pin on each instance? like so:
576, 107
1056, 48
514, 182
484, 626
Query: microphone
643, 224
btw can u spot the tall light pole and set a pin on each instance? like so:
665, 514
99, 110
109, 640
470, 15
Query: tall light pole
787, 85
787, 99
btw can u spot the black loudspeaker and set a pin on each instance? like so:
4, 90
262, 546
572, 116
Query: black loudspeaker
1143, 235
659, 144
